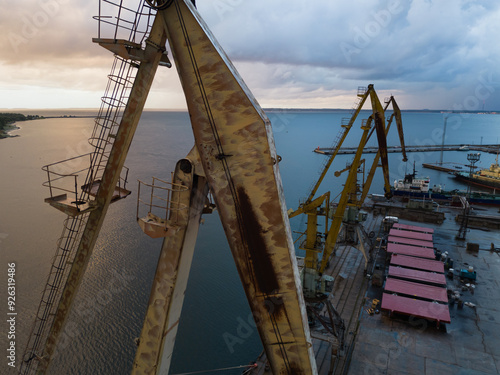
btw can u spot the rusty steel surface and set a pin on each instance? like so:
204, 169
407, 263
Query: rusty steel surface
110, 178
236, 146
158, 333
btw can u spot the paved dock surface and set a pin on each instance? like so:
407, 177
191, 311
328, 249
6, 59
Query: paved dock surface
401, 345
471, 343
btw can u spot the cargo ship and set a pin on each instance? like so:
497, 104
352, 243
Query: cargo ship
419, 187
488, 178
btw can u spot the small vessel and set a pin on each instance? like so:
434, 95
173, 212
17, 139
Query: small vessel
411, 185
488, 178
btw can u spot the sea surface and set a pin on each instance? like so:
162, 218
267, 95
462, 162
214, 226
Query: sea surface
216, 328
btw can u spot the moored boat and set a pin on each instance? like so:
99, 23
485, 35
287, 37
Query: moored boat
488, 178
419, 187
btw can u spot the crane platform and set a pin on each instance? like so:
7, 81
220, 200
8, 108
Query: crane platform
69, 206
119, 192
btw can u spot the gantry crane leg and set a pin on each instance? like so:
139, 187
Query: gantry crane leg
128, 125
158, 334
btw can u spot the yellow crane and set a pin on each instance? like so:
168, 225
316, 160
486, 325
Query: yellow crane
395, 115
346, 216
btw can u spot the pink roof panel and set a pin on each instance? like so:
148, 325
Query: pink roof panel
409, 234
415, 251
409, 241
419, 263
420, 309
417, 275
434, 293
413, 228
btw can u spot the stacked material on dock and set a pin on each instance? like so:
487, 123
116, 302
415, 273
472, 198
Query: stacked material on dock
416, 284
414, 251
411, 238
412, 228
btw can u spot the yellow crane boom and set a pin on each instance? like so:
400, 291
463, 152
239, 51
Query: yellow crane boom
396, 114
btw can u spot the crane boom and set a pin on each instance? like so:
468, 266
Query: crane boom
363, 94
379, 118
237, 152
159, 330
399, 122
334, 230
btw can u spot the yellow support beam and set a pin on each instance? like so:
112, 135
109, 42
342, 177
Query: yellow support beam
334, 230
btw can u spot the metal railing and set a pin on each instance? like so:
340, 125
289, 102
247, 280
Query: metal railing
159, 199
63, 177
132, 22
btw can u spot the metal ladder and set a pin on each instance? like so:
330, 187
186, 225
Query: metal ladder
108, 120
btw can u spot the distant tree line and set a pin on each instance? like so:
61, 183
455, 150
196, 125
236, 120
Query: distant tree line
9, 118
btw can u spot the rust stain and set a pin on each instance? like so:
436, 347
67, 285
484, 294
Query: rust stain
263, 268
295, 369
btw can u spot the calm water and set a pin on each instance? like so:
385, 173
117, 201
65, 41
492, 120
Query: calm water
105, 324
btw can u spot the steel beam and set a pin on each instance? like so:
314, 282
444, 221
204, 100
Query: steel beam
128, 125
236, 146
157, 339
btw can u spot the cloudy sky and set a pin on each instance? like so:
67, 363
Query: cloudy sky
435, 54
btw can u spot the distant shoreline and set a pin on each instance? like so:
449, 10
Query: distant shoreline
8, 121
7, 125
6, 129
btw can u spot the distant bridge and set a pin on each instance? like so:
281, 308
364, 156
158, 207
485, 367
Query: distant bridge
492, 149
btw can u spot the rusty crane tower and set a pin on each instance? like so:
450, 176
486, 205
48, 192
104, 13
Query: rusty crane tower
234, 158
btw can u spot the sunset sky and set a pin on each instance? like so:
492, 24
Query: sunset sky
435, 54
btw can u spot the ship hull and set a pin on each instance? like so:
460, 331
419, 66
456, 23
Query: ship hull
483, 182
474, 198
